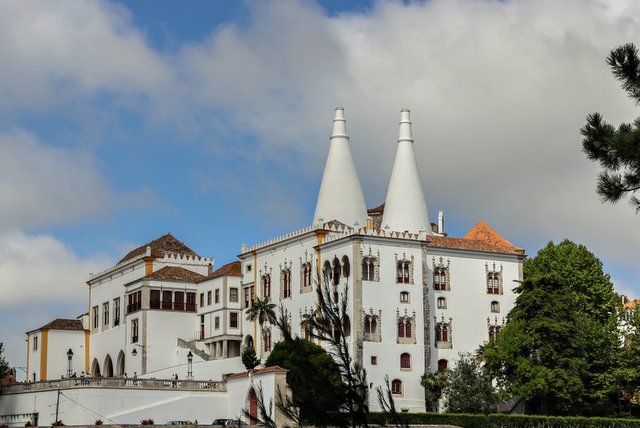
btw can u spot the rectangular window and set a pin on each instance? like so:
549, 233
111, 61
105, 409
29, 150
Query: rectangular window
178, 303
249, 267
167, 300
105, 314
134, 331
217, 323
201, 299
96, 317
248, 296
135, 302
233, 294
374, 360
209, 297
116, 312
155, 299
217, 296
233, 320
35, 343
191, 302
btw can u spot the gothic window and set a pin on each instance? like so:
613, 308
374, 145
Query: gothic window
346, 325
443, 365
406, 330
405, 361
285, 278
442, 303
306, 273
372, 328
396, 387
494, 280
404, 297
441, 275
370, 269
493, 332
495, 306
443, 334
266, 341
346, 267
402, 272
336, 270
266, 285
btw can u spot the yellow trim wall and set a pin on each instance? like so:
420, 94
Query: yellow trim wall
44, 344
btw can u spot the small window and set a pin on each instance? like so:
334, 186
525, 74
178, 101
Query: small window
105, 314
201, 299
404, 297
495, 306
96, 317
266, 341
116, 311
209, 298
233, 320
396, 387
35, 343
405, 361
286, 283
443, 365
249, 267
346, 267
266, 285
374, 360
402, 272
442, 303
216, 323
493, 283
217, 295
154, 299
368, 269
134, 331
233, 294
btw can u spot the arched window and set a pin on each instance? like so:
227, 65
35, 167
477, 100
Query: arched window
401, 328
495, 306
306, 274
443, 335
266, 285
443, 365
493, 283
266, 341
442, 303
406, 330
404, 297
371, 331
402, 272
493, 332
326, 271
336, 271
405, 361
346, 267
396, 387
286, 283
440, 275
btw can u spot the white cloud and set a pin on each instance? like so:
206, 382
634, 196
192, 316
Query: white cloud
37, 269
46, 185
72, 50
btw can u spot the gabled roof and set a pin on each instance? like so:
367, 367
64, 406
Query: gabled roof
176, 273
631, 304
485, 233
166, 244
377, 210
62, 324
469, 244
230, 269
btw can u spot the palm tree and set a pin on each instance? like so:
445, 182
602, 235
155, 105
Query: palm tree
262, 310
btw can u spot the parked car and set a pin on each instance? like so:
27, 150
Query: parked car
236, 422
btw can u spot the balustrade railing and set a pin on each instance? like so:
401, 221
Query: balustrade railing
115, 382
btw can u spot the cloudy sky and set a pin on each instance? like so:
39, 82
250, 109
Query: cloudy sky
122, 121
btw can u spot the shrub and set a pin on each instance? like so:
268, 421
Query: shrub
146, 422
99, 422
57, 424
28, 424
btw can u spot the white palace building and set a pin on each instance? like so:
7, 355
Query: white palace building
417, 298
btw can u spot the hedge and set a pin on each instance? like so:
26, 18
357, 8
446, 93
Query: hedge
504, 421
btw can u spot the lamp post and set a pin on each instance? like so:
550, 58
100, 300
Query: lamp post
189, 365
69, 362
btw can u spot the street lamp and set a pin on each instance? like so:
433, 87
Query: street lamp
190, 365
69, 362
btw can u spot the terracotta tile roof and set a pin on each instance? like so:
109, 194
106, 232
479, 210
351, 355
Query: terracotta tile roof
255, 372
485, 233
377, 210
176, 273
166, 244
62, 324
230, 269
469, 244
631, 304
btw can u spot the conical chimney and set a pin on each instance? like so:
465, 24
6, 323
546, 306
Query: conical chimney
405, 208
340, 197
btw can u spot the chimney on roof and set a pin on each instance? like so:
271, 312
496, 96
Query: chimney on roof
405, 207
340, 197
441, 222
210, 269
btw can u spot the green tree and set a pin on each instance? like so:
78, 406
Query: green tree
468, 387
262, 311
617, 150
314, 378
581, 271
433, 384
554, 354
4, 366
249, 358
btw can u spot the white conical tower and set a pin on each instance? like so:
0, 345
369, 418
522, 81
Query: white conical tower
405, 207
340, 196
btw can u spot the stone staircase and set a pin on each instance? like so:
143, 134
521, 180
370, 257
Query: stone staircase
191, 345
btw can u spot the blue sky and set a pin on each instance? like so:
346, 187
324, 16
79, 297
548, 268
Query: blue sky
121, 121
